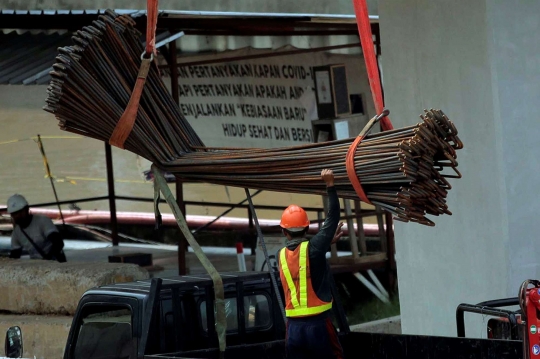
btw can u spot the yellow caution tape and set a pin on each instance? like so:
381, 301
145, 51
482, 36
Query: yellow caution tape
34, 138
72, 180
65, 180
97, 179
12, 141
56, 137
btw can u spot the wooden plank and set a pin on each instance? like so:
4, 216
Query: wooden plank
382, 234
370, 257
360, 227
350, 225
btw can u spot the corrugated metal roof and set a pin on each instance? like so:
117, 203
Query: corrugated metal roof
27, 58
134, 13
23, 56
65, 12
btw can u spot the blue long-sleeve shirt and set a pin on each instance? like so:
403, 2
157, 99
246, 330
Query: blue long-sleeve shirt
319, 245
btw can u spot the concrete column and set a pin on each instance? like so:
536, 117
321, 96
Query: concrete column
479, 62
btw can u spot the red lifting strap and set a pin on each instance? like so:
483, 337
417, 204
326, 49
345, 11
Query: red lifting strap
351, 172
124, 126
151, 25
366, 39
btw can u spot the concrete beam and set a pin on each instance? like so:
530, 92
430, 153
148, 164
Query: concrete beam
45, 287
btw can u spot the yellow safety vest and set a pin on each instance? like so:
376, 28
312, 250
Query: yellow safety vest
301, 299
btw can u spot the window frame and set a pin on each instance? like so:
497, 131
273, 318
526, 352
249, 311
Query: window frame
238, 330
96, 302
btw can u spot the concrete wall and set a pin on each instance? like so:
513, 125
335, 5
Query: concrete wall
302, 6
515, 64
440, 54
44, 337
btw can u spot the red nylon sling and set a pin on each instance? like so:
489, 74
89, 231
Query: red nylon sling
125, 124
366, 39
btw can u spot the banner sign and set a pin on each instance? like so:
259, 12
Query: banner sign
260, 103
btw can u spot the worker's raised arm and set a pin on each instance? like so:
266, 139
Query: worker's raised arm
322, 240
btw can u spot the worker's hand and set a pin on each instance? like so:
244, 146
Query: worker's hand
338, 233
328, 177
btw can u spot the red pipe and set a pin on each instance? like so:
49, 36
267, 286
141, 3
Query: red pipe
148, 219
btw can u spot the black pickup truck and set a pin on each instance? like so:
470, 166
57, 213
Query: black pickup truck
174, 318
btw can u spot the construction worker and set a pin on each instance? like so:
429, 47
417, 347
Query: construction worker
305, 276
37, 234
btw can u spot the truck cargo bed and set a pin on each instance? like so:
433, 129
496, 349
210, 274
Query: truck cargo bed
378, 346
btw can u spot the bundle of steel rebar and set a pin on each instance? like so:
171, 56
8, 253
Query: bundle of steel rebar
404, 171
92, 83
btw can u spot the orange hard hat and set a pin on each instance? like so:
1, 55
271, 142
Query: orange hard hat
294, 218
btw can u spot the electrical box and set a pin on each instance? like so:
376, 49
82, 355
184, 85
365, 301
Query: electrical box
331, 91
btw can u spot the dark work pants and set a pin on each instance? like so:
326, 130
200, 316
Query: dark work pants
312, 337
